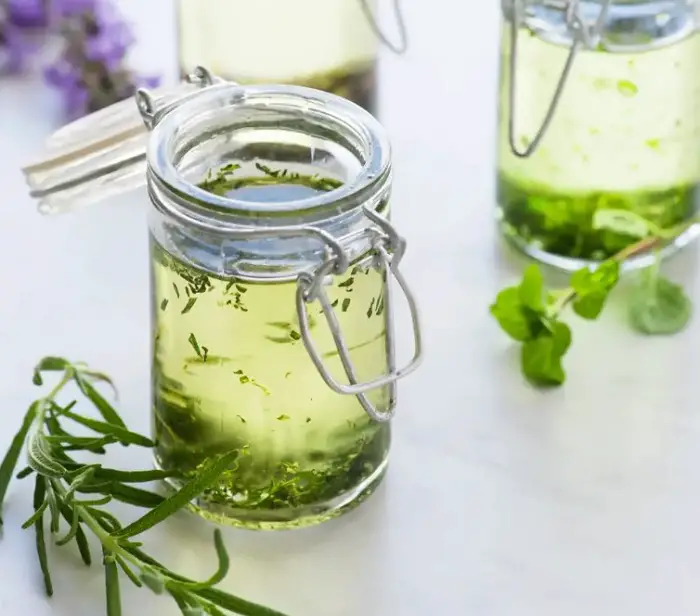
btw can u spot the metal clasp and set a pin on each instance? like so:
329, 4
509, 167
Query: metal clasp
582, 33
402, 46
389, 248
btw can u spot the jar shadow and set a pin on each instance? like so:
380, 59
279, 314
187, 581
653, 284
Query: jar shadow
328, 568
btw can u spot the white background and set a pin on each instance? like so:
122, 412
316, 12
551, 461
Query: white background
500, 500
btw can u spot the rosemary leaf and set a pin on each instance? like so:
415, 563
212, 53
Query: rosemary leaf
114, 604
41, 459
119, 432
223, 558
126, 494
25, 472
39, 495
105, 408
9, 463
206, 476
68, 514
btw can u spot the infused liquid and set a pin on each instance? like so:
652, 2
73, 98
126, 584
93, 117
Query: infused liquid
231, 373
323, 44
624, 136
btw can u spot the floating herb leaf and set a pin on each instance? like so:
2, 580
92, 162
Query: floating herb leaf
658, 306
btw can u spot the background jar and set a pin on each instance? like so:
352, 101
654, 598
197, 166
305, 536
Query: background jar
325, 44
585, 123
268, 292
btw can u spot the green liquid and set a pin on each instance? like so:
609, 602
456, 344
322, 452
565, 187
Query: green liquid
562, 224
355, 83
230, 372
617, 141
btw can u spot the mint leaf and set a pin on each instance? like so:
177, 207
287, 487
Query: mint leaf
623, 222
508, 311
659, 307
541, 357
593, 287
531, 289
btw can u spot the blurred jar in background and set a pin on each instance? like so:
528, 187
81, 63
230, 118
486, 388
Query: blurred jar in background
599, 126
329, 45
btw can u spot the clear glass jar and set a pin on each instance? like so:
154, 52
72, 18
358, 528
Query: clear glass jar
599, 109
270, 259
325, 44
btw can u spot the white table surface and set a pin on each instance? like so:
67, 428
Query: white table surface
500, 500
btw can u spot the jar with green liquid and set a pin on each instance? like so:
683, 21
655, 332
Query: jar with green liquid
272, 261
599, 110
330, 45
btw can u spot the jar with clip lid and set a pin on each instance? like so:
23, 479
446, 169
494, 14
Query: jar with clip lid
330, 45
272, 260
599, 113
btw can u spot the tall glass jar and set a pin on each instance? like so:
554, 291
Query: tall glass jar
599, 110
271, 259
325, 44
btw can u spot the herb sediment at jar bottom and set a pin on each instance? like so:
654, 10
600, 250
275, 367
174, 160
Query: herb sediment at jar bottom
230, 372
617, 141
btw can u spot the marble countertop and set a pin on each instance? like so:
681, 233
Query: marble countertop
500, 500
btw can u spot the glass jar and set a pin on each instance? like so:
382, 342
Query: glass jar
271, 254
599, 110
330, 45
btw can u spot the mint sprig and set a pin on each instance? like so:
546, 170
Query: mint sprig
531, 314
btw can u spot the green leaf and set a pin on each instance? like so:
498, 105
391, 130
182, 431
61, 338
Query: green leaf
541, 357
68, 514
222, 556
125, 494
81, 442
153, 580
659, 308
41, 458
119, 432
52, 364
129, 573
113, 596
207, 475
72, 531
531, 289
623, 222
25, 472
132, 476
39, 496
236, 605
593, 287
9, 463
511, 316
109, 414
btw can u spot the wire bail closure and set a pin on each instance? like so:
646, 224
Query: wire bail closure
583, 33
400, 48
389, 248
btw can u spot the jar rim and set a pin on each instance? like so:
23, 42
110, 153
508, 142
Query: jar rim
376, 164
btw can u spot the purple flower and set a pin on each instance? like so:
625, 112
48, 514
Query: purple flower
13, 45
28, 13
91, 71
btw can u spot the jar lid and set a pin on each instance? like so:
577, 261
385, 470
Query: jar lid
104, 154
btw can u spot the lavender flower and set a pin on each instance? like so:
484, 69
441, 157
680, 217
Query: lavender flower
29, 13
13, 45
91, 70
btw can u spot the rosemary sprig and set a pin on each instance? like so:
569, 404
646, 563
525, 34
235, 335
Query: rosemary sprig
531, 314
73, 495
